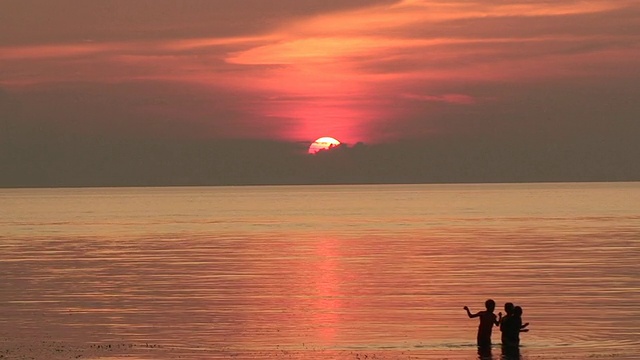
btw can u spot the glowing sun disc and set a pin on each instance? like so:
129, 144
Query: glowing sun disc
323, 143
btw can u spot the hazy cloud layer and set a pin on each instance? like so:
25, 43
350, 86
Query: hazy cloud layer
517, 81
62, 21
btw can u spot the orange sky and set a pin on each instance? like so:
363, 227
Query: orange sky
361, 71
347, 70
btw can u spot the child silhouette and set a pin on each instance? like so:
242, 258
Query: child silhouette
511, 327
504, 321
487, 320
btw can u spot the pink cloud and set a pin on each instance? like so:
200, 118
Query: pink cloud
338, 72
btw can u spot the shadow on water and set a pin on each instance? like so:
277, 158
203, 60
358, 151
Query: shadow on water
485, 353
507, 353
510, 353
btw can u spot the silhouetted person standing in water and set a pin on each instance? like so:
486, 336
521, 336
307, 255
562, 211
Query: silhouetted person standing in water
504, 321
487, 320
511, 327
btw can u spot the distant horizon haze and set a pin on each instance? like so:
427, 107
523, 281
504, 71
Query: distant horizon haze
89, 163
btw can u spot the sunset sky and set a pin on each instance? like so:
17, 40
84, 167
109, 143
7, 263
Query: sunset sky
155, 92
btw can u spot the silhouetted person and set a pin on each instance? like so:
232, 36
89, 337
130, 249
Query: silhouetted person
511, 327
504, 321
487, 320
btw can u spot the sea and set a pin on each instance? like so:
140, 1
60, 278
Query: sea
318, 272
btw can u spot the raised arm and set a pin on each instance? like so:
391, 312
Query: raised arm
469, 314
523, 328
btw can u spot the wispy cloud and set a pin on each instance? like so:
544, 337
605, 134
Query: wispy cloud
343, 67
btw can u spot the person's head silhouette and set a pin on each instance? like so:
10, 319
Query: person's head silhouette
490, 304
517, 311
508, 308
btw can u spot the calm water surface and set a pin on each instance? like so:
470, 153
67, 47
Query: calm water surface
317, 272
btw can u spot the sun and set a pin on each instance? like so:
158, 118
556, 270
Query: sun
323, 143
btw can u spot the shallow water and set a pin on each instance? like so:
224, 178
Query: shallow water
317, 271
